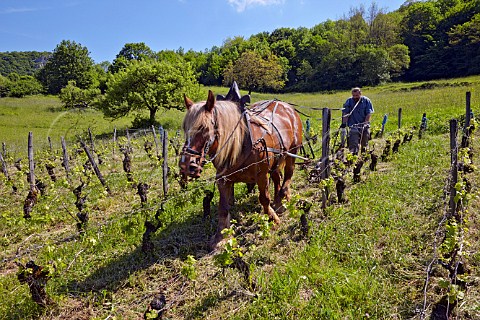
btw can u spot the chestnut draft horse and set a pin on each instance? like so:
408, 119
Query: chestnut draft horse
244, 145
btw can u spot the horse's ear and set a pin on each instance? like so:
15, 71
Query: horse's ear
188, 102
244, 100
210, 101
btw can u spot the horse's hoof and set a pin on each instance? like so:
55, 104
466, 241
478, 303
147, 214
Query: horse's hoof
273, 216
280, 209
215, 243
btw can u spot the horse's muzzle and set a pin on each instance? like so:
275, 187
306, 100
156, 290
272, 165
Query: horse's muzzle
194, 170
190, 169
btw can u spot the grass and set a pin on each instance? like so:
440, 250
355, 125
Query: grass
365, 253
45, 117
365, 258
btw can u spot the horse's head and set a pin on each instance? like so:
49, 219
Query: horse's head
201, 132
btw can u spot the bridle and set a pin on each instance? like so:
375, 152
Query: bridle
200, 156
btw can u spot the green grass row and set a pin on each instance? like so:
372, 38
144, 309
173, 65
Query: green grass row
367, 258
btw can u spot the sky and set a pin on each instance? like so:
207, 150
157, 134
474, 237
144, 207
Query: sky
105, 26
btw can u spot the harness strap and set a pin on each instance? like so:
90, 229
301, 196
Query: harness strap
276, 151
279, 136
247, 117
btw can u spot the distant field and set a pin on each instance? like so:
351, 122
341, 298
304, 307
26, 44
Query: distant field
44, 115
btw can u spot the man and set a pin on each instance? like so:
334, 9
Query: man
356, 114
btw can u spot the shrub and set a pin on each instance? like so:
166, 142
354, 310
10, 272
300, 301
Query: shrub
74, 97
24, 86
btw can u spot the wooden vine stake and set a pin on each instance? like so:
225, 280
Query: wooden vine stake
468, 118
50, 144
165, 162
399, 118
156, 142
65, 157
4, 167
95, 167
92, 143
31, 163
325, 161
384, 122
5, 172
454, 165
32, 196
114, 140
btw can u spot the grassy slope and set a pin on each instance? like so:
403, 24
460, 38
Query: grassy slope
45, 117
366, 258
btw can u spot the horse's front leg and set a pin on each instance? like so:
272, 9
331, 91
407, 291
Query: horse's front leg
276, 176
264, 197
225, 191
289, 169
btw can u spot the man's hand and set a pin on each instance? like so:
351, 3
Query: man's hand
343, 125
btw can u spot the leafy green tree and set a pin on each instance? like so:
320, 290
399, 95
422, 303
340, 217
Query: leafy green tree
357, 27
131, 51
253, 72
384, 29
419, 25
148, 85
284, 48
69, 61
467, 33
74, 97
24, 86
4, 86
373, 65
99, 75
212, 72
399, 59
198, 61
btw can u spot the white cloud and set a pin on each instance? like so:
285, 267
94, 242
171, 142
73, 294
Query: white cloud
241, 5
16, 10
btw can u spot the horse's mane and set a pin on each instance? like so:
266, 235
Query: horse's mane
231, 129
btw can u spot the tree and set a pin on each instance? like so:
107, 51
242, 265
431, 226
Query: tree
74, 97
21, 86
373, 65
419, 25
399, 59
4, 86
130, 52
212, 71
148, 85
253, 72
69, 61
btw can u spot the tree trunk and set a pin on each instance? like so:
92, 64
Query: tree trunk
152, 115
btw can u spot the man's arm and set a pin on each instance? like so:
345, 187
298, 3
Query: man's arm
345, 113
369, 111
367, 118
344, 118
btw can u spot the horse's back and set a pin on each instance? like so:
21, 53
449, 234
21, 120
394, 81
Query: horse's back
284, 117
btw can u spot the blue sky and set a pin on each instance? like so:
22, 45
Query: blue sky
104, 26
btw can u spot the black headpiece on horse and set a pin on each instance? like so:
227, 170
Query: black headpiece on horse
234, 96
